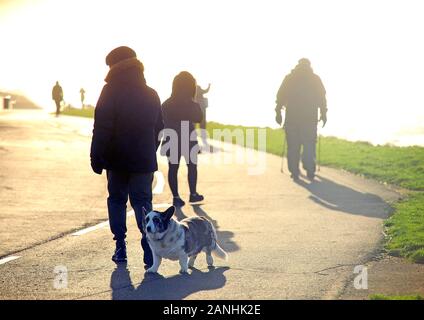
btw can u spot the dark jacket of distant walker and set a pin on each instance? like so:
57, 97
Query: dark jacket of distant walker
57, 93
127, 122
302, 93
175, 110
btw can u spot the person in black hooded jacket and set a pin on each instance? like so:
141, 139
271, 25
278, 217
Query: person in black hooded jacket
125, 139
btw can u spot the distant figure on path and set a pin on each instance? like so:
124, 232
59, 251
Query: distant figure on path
178, 111
203, 102
82, 93
127, 123
302, 94
57, 96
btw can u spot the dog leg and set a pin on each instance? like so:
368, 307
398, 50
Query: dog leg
156, 263
191, 261
209, 259
184, 264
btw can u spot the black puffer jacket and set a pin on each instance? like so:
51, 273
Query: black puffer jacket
127, 123
175, 111
302, 93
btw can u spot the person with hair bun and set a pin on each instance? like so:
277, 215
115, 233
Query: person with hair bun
180, 112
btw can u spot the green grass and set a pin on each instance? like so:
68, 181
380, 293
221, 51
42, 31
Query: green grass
400, 166
406, 228
86, 112
384, 297
403, 167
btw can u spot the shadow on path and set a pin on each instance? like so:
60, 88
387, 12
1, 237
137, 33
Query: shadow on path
179, 214
337, 197
157, 287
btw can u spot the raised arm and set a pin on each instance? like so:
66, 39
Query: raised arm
204, 91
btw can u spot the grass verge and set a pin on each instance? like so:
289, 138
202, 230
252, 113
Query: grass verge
87, 112
401, 166
406, 228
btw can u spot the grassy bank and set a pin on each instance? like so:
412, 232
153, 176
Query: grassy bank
87, 112
398, 166
406, 228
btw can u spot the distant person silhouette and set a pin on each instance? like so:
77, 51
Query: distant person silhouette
203, 102
302, 94
82, 93
178, 111
57, 96
127, 123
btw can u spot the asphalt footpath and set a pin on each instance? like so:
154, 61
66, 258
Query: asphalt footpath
285, 240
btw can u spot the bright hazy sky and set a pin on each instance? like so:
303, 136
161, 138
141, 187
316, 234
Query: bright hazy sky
369, 54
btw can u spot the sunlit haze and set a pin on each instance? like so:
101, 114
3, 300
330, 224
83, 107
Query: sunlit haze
369, 54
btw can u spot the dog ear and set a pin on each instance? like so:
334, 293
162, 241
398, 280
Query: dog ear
169, 213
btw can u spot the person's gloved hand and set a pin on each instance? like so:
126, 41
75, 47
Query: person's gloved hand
323, 119
278, 117
97, 166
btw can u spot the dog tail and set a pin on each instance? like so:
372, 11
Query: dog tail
220, 253
216, 250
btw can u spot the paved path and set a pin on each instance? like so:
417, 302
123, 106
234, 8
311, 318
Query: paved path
285, 240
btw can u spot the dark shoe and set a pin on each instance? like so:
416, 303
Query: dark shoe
295, 177
120, 254
178, 202
311, 176
195, 197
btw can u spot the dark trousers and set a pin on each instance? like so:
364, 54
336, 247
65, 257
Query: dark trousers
191, 170
173, 178
138, 187
57, 107
299, 136
203, 122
